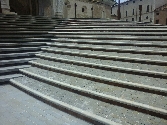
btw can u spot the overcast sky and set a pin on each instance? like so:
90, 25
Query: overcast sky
122, 1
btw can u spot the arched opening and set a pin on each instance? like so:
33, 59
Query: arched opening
84, 9
24, 7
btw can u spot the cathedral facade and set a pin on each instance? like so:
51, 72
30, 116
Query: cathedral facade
59, 8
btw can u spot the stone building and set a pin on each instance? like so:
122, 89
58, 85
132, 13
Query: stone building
161, 15
130, 10
59, 8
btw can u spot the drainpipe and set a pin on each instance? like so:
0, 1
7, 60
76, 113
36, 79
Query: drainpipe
153, 15
75, 10
92, 11
0, 7
30, 7
119, 14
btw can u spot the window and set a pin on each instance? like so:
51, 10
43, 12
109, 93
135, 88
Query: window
157, 21
126, 13
139, 19
140, 7
133, 1
166, 21
132, 19
157, 13
140, 0
126, 19
146, 17
133, 12
148, 8
111, 10
83, 9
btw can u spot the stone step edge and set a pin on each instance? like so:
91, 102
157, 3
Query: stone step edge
25, 43
154, 73
5, 78
13, 68
119, 82
109, 49
111, 29
13, 61
105, 56
100, 95
107, 43
64, 105
105, 26
18, 54
150, 34
22, 48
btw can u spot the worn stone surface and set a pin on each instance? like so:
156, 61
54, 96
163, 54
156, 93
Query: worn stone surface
121, 79
18, 108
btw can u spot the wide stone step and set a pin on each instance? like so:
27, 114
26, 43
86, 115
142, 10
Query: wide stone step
117, 78
24, 40
110, 30
12, 69
25, 109
112, 33
118, 37
15, 61
25, 29
135, 68
25, 22
26, 36
100, 27
6, 78
19, 49
60, 102
161, 44
135, 50
83, 102
125, 57
110, 46
18, 44
72, 81
30, 27
23, 32
123, 25
18, 55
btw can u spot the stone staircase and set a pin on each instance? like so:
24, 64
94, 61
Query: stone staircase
102, 71
17, 47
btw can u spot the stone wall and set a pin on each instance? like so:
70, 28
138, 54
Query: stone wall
45, 7
161, 16
60, 8
84, 10
21, 7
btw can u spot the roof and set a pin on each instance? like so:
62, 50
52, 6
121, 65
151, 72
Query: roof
162, 8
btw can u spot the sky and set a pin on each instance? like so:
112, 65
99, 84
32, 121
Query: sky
122, 1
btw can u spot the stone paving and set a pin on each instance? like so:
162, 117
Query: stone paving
18, 108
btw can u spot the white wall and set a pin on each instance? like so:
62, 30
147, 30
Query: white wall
130, 5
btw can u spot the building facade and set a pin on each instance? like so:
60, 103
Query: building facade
130, 10
60, 8
161, 15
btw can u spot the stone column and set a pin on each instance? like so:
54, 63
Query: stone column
5, 6
0, 7
58, 7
